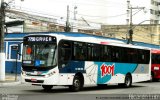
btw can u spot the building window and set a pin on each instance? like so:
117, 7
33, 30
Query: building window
155, 21
151, 11
152, 2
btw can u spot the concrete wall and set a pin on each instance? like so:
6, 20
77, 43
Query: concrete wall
142, 33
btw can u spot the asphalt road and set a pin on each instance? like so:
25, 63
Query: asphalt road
28, 92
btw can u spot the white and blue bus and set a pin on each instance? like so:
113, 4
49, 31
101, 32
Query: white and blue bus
75, 60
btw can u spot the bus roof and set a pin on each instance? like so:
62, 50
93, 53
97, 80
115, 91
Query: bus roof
91, 38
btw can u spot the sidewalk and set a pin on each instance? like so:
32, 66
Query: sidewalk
11, 80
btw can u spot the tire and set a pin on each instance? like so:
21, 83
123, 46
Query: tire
77, 85
47, 87
128, 81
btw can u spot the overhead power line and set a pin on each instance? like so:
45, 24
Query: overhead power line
58, 17
23, 15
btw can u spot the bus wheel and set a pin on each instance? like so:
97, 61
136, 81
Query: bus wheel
47, 87
77, 85
128, 81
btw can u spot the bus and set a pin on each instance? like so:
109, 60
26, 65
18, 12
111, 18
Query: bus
77, 60
155, 66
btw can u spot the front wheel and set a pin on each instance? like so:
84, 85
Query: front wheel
47, 87
77, 85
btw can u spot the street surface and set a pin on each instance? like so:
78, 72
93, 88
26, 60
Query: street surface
137, 88
27, 92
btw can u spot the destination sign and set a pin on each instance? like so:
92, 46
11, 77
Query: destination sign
40, 39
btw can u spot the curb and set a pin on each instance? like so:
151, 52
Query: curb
10, 80
10, 83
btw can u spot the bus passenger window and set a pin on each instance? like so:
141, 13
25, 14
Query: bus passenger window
64, 53
93, 52
79, 51
96, 52
143, 56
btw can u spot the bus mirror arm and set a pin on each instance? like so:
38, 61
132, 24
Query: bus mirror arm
19, 54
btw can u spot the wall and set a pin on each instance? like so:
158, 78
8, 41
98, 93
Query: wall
142, 33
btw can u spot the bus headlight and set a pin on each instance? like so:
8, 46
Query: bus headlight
156, 68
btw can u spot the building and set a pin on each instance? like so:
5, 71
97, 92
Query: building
140, 15
147, 33
37, 23
155, 11
11, 43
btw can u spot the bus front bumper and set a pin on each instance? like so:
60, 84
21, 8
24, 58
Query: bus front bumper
39, 80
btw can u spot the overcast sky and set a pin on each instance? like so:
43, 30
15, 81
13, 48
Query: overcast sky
98, 11
94, 10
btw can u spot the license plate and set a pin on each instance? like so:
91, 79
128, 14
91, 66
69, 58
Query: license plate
33, 80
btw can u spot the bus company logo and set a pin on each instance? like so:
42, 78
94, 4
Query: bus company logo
107, 70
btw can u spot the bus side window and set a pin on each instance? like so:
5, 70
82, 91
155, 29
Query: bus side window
96, 52
143, 56
64, 53
114, 54
105, 53
146, 54
132, 55
79, 51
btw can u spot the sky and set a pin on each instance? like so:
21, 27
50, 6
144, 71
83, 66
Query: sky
92, 10
96, 11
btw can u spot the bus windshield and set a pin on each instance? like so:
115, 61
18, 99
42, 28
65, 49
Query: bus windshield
39, 55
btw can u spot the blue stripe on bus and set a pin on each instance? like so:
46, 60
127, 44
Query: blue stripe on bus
105, 69
109, 69
73, 67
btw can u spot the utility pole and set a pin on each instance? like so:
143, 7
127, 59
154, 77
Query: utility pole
2, 53
128, 4
130, 31
74, 26
75, 12
67, 28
